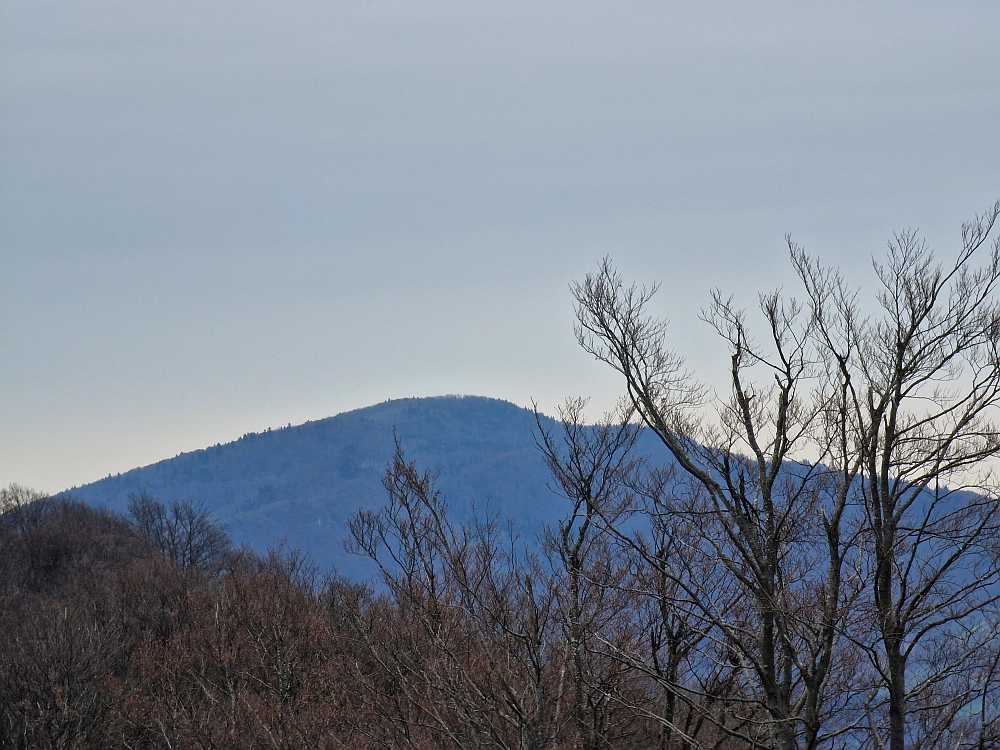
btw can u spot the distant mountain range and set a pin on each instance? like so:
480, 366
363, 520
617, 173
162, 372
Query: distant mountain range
303, 483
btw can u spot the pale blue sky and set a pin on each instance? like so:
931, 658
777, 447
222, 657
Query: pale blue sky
219, 217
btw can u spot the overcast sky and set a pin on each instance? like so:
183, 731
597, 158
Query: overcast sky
217, 217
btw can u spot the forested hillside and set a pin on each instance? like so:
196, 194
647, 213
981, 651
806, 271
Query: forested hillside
303, 483
817, 566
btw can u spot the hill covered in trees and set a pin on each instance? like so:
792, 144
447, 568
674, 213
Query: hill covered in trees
303, 483
816, 568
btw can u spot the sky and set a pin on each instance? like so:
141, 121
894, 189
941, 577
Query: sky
219, 217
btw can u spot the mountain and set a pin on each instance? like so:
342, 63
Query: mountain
303, 483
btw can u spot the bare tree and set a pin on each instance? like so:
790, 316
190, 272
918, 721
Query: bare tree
920, 386
703, 685
15, 504
768, 545
626, 635
590, 466
466, 648
59, 637
859, 458
184, 533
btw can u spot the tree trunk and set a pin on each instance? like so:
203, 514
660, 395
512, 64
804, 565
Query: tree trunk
897, 694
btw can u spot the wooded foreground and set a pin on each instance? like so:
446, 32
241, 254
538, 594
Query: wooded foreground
150, 631
814, 564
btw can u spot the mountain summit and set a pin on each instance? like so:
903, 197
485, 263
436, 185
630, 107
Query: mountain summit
303, 483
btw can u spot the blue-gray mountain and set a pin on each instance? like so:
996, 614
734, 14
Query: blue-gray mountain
303, 483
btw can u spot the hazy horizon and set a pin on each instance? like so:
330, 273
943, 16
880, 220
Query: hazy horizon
220, 218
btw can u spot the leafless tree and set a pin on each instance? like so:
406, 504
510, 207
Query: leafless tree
184, 533
59, 638
704, 691
590, 467
472, 625
15, 504
920, 386
764, 567
626, 633
860, 458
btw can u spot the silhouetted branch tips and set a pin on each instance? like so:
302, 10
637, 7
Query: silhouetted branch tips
809, 559
183, 533
815, 494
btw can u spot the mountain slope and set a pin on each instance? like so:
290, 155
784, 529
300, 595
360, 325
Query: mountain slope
303, 483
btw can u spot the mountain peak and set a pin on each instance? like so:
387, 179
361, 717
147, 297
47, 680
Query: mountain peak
302, 483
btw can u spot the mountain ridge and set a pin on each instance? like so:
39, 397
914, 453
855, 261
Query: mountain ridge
301, 484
